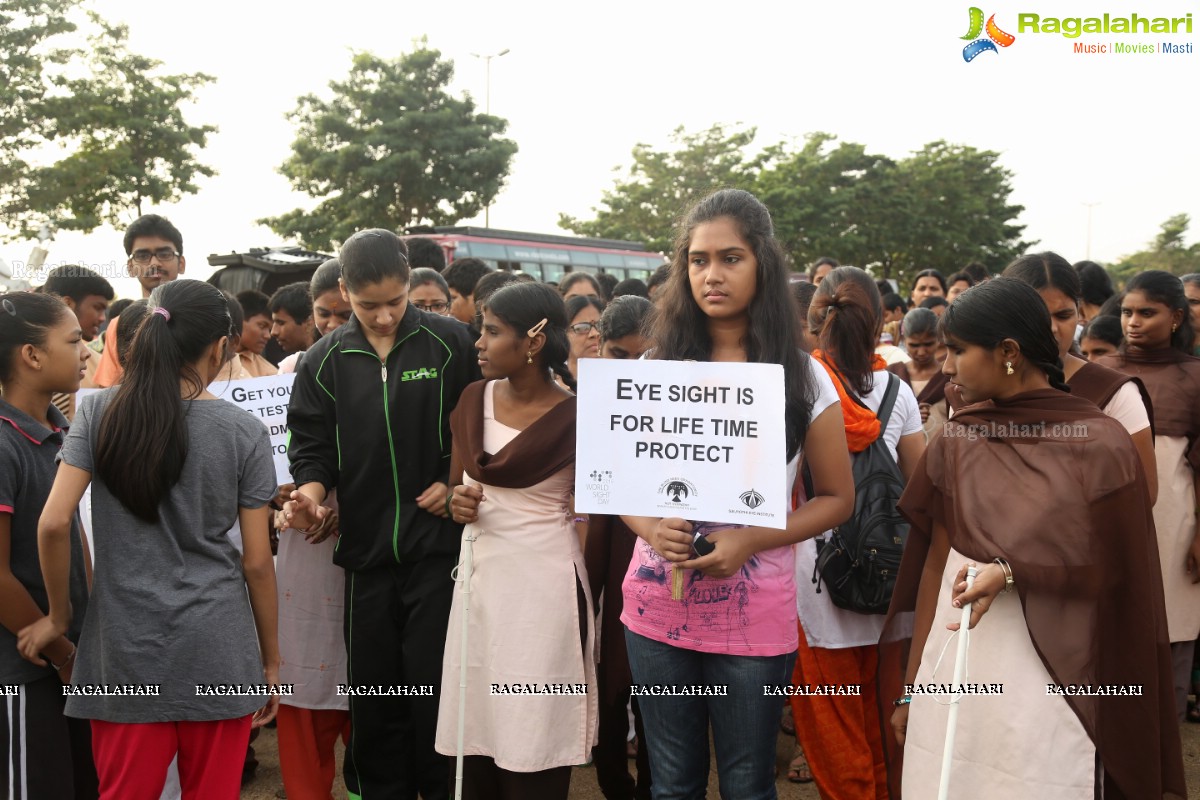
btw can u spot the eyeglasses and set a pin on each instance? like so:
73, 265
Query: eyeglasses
436, 308
584, 328
164, 255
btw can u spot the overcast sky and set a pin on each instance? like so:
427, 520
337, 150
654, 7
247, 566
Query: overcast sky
583, 83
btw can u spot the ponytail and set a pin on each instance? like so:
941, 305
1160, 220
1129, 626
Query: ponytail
849, 311
142, 441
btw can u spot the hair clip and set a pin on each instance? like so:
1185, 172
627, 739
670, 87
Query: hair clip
9, 307
162, 312
536, 329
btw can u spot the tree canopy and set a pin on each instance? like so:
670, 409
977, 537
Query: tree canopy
1167, 252
645, 205
391, 148
942, 206
116, 121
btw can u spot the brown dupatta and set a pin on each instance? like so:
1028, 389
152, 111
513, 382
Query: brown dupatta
935, 388
536, 453
1070, 512
1172, 379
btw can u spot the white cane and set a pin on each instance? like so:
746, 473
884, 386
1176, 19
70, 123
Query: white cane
464, 575
960, 665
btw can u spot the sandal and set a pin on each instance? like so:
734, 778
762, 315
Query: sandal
798, 771
1193, 711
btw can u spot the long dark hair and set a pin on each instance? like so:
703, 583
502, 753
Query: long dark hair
680, 328
1163, 287
25, 318
849, 311
1047, 270
1006, 308
142, 441
523, 305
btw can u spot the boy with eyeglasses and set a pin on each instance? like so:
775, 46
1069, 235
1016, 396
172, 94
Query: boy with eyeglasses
154, 256
155, 250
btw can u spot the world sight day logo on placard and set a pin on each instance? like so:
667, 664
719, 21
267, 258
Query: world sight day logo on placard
987, 43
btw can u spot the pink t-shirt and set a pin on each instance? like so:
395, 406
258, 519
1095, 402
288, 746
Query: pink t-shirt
750, 613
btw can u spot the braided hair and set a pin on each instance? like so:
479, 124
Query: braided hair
523, 306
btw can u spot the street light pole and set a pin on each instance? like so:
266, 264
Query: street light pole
487, 109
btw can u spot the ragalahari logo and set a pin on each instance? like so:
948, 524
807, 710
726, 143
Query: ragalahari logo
995, 36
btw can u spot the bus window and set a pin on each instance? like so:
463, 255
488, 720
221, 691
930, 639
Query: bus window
584, 258
610, 261
528, 267
491, 253
551, 273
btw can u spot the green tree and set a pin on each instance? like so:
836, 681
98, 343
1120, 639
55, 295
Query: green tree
959, 211
829, 200
122, 129
28, 44
661, 184
392, 148
1167, 252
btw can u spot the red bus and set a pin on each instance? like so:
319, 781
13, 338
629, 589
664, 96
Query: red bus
546, 257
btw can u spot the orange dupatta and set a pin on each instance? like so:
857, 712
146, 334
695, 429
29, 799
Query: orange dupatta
862, 426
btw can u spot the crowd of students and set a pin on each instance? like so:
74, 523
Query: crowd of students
426, 566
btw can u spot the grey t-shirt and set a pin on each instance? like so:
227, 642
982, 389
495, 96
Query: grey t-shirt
28, 451
169, 605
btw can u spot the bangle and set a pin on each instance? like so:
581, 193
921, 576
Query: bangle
1009, 583
449, 513
902, 701
66, 661
581, 519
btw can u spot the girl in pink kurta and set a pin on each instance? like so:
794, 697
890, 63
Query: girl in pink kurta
531, 703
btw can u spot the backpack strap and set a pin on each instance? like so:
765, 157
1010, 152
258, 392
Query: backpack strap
889, 400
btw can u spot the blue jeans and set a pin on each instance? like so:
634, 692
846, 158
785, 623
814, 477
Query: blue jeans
745, 722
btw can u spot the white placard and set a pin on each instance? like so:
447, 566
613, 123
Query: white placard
699, 440
267, 399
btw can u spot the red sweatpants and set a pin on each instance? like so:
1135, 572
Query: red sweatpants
840, 734
132, 758
306, 759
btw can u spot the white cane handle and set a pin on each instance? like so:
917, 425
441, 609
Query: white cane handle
960, 665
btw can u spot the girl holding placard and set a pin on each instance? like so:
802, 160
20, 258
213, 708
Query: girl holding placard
727, 300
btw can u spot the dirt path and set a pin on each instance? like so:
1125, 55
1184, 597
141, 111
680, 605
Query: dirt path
583, 782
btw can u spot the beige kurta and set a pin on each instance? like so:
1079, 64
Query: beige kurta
1175, 523
523, 628
1022, 743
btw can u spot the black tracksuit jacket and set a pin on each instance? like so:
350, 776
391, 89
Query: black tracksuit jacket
379, 431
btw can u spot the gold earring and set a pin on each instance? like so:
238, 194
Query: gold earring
1009, 365
1174, 328
529, 357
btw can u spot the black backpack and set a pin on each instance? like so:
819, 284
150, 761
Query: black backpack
859, 562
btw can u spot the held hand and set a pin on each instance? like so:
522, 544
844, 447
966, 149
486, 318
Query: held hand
433, 499
302, 513
728, 557
267, 712
900, 723
35, 638
988, 584
464, 504
924, 408
672, 539
326, 528
1193, 559
285, 492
